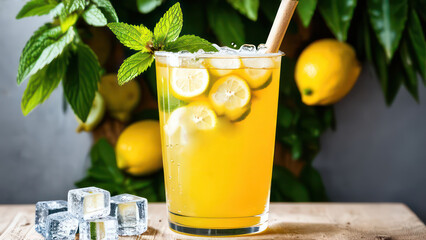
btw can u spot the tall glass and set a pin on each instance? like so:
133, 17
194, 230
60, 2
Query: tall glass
218, 117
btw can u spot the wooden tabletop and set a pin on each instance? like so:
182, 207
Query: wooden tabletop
376, 221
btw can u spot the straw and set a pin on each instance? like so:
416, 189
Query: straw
279, 27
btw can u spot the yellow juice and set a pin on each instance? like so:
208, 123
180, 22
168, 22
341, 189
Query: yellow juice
218, 164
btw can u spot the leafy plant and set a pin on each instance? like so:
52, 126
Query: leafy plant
105, 174
56, 53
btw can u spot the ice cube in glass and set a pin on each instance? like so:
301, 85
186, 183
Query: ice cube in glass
99, 229
131, 213
61, 226
44, 209
89, 203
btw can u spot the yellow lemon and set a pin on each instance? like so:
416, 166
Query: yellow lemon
120, 100
326, 71
138, 148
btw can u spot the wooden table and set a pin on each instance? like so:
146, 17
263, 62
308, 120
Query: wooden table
377, 221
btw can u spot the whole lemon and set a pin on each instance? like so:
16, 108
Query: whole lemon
326, 71
120, 100
138, 148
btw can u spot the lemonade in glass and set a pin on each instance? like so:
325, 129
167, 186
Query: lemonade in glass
218, 117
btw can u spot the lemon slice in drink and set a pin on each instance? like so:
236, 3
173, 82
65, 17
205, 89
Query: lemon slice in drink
230, 96
257, 72
189, 82
201, 116
223, 66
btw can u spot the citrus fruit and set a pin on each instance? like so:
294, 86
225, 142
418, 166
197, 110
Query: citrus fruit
326, 71
223, 66
257, 72
197, 115
201, 116
189, 82
138, 148
120, 100
230, 96
95, 116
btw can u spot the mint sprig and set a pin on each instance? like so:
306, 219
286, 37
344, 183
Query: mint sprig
56, 53
165, 37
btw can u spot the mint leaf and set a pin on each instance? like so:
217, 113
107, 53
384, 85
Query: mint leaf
45, 45
81, 81
134, 37
133, 66
189, 43
74, 5
93, 16
36, 8
146, 6
169, 26
248, 8
42, 84
107, 9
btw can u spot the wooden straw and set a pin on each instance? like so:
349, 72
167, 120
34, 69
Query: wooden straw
279, 27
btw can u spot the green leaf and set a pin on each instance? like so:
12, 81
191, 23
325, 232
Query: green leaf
146, 6
306, 9
134, 37
81, 81
226, 25
248, 8
337, 15
410, 81
42, 84
36, 8
390, 83
93, 16
311, 178
107, 9
133, 66
74, 5
288, 185
388, 21
45, 45
169, 26
417, 43
189, 43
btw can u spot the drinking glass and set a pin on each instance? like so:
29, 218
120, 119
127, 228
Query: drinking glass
218, 120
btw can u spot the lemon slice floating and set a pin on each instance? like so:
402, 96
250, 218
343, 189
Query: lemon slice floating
189, 82
195, 116
257, 72
201, 116
230, 96
223, 66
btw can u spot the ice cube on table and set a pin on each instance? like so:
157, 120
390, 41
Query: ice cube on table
89, 203
44, 209
99, 229
131, 213
61, 226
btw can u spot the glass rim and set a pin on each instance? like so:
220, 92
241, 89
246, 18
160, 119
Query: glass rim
217, 55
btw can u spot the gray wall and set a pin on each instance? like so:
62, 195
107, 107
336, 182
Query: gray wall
376, 154
41, 155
